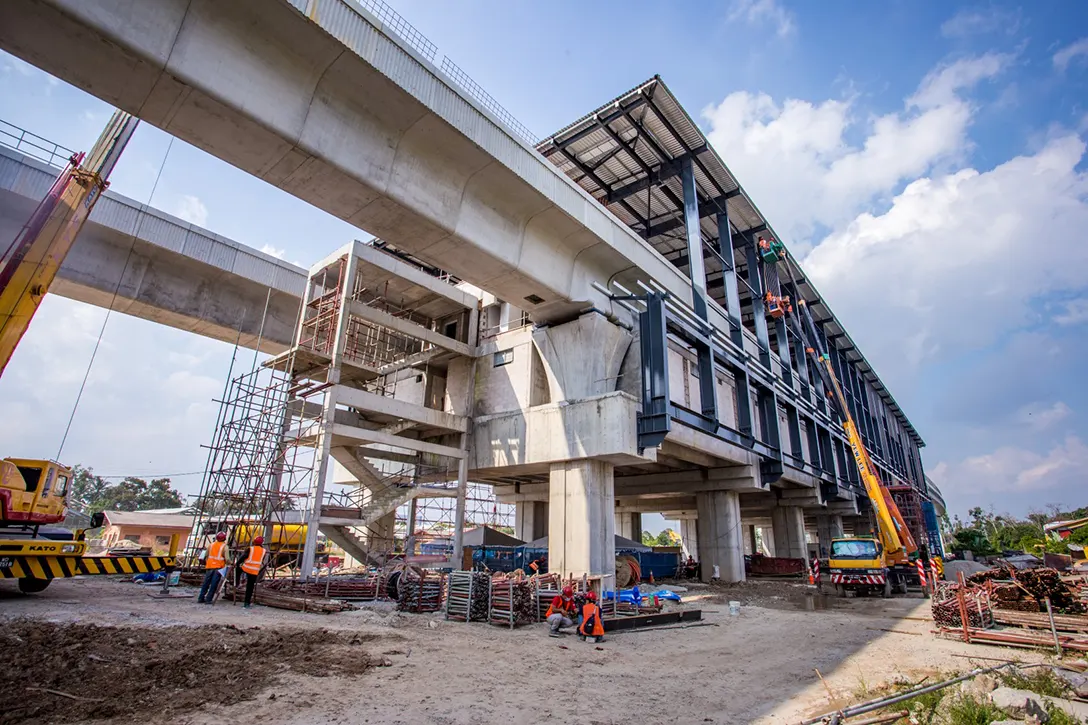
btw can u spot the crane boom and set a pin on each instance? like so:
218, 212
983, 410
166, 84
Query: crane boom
892, 529
30, 263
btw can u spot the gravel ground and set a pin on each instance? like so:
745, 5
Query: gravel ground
758, 667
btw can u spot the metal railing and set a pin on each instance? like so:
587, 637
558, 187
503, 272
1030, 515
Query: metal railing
34, 145
395, 22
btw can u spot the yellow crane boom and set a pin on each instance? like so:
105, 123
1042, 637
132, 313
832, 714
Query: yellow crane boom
30, 262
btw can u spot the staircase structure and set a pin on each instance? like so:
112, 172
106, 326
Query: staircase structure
362, 393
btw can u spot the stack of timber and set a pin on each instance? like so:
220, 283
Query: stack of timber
1026, 590
355, 588
419, 590
1035, 620
511, 601
467, 596
267, 597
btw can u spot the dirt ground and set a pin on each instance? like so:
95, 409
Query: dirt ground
174, 661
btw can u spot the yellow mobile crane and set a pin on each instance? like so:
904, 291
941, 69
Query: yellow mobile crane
34, 493
882, 563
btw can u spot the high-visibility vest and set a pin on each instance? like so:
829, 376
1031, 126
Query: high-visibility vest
591, 625
564, 607
217, 555
252, 564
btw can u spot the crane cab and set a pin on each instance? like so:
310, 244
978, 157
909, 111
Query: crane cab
33, 492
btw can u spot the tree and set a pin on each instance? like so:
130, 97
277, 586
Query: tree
668, 537
648, 539
136, 494
85, 489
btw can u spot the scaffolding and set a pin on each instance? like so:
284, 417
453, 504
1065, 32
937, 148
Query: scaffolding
367, 323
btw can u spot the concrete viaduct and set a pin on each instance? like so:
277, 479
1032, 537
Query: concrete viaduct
690, 401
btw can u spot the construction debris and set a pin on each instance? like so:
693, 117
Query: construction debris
268, 597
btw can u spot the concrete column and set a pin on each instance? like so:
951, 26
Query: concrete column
789, 532
379, 535
721, 539
530, 520
689, 538
581, 520
629, 525
828, 527
768, 540
582, 358
751, 546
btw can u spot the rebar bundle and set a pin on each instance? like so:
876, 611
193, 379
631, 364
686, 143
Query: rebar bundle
467, 595
420, 591
511, 602
951, 601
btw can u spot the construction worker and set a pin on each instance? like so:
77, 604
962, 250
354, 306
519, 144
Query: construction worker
561, 612
250, 563
592, 622
215, 566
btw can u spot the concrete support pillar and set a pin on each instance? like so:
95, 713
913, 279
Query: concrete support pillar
751, 546
828, 527
789, 532
721, 539
581, 520
767, 533
582, 358
379, 535
629, 525
689, 538
530, 520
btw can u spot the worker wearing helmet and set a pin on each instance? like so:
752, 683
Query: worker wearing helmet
215, 566
250, 563
561, 611
592, 625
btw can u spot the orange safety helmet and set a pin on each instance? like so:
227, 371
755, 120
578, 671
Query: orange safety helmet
258, 540
220, 536
568, 592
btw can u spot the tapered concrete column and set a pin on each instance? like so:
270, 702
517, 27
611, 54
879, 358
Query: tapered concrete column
530, 520
629, 525
581, 519
828, 527
379, 535
721, 537
582, 357
789, 532
689, 538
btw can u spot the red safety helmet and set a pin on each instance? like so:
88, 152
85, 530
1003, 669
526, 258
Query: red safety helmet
220, 536
591, 596
258, 540
568, 592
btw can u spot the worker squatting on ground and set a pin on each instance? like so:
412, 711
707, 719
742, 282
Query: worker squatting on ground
250, 563
215, 566
561, 612
592, 625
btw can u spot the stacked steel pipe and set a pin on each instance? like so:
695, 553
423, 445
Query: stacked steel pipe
511, 601
420, 591
467, 595
546, 587
951, 601
356, 588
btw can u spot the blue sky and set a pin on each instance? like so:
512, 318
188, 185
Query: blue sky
927, 162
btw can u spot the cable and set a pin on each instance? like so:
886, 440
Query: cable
151, 475
113, 300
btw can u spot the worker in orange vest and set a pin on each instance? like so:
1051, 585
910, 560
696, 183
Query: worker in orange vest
561, 611
592, 625
215, 565
250, 563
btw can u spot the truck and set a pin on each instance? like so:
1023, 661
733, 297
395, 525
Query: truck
34, 549
879, 564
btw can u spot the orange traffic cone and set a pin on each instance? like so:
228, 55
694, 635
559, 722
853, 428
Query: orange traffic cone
811, 579
652, 578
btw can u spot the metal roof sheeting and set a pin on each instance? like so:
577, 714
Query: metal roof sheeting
625, 154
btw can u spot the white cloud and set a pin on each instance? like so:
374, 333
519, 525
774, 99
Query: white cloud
1075, 312
759, 12
273, 251
795, 160
948, 260
1010, 469
980, 21
192, 210
1040, 417
1074, 51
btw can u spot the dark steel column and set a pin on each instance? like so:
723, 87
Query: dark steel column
729, 278
708, 398
755, 281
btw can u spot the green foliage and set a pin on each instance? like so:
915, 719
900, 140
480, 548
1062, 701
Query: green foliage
923, 708
987, 534
91, 493
969, 711
668, 537
648, 539
972, 540
1040, 680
